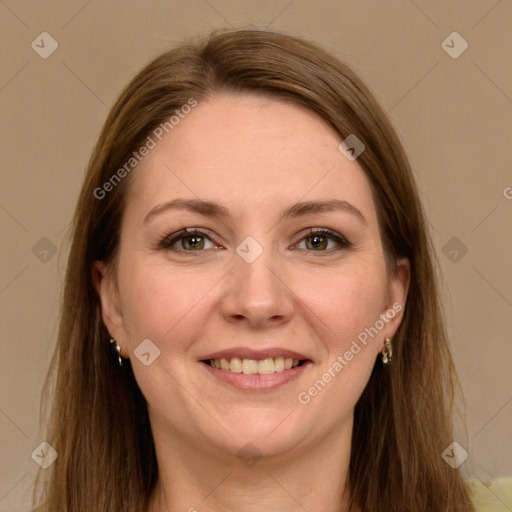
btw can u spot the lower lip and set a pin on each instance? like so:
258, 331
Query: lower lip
257, 382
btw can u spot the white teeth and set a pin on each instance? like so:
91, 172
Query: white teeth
266, 366
235, 365
249, 366
253, 366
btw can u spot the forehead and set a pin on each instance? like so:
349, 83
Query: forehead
251, 153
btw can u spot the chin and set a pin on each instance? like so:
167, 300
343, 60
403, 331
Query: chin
266, 432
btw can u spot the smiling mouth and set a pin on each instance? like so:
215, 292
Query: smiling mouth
254, 366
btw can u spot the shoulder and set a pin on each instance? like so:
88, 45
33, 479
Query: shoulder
493, 496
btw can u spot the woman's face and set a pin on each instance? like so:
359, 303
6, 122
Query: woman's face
253, 284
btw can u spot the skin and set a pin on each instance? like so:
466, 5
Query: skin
256, 156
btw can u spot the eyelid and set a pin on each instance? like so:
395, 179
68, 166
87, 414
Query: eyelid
328, 233
169, 240
172, 238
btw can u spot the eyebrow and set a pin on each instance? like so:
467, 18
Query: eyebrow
212, 209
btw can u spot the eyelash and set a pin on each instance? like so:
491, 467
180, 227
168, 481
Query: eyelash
167, 242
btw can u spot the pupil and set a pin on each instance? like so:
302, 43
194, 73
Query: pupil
194, 238
318, 238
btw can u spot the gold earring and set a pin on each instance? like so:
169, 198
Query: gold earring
118, 350
387, 351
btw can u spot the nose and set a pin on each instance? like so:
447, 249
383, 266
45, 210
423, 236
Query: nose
258, 293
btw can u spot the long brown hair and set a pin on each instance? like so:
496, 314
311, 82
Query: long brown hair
403, 421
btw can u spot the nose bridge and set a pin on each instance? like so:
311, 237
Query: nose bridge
255, 266
256, 288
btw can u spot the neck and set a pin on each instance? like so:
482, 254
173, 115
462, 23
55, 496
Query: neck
310, 478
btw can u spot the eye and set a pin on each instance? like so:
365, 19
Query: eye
192, 239
320, 237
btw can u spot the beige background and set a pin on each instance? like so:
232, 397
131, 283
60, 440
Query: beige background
453, 115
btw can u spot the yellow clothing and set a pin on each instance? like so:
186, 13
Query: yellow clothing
494, 496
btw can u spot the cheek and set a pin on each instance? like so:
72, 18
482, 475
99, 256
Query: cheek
344, 305
160, 304
345, 302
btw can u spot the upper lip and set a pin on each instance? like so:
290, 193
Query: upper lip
250, 353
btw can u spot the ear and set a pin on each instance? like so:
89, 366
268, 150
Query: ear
106, 286
398, 287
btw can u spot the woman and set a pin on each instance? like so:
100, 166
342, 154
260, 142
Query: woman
251, 318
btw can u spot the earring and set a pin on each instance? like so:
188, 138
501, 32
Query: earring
387, 351
118, 350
